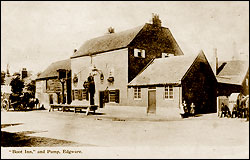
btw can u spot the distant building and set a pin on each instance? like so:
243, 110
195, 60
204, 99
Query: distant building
233, 78
49, 87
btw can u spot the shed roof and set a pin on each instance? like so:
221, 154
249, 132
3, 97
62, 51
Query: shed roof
233, 72
108, 42
51, 71
164, 71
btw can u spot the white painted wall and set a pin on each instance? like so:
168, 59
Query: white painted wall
165, 107
41, 93
118, 60
138, 102
168, 107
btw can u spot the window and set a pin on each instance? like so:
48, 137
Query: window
139, 53
137, 93
76, 94
84, 94
112, 96
169, 92
80, 94
246, 81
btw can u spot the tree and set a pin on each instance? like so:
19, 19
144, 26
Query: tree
32, 88
3, 74
17, 85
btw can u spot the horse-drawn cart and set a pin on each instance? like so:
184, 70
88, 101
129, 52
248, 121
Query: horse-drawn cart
18, 102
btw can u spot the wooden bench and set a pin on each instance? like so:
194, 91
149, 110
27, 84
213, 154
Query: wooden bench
65, 107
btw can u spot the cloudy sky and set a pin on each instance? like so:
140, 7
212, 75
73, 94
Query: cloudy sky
35, 34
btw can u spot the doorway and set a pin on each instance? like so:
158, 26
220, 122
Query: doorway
151, 101
50, 98
101, 99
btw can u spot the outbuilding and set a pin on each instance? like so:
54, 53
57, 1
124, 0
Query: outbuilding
49, 87
166, 83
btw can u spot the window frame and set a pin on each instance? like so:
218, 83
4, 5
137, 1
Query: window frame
141, 51
113, 98
137, 93
167, 92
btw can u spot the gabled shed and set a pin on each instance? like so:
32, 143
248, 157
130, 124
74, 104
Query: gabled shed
167, 82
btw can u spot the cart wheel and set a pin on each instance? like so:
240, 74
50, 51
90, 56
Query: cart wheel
5, 105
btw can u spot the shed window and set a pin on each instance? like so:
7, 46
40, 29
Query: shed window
137, 93
139, 53
169, 92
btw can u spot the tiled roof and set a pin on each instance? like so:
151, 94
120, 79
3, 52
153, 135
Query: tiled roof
51, 71
119, 40
108, 42
164, 71
233, 72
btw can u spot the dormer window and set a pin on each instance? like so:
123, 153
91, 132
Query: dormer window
139, 53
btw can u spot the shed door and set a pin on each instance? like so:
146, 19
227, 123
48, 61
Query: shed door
151, 101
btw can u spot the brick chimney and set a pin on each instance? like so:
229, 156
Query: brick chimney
111, 30
156, 20
24, 73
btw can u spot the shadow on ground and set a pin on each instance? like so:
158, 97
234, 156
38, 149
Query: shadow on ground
20, 139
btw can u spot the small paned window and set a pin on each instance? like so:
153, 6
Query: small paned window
169, 92
137, 93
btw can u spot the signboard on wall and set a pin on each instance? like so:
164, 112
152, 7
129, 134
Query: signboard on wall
54, 85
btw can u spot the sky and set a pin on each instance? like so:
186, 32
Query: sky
35, 34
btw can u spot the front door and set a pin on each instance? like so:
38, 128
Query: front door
101, 100
50, 98
151, 101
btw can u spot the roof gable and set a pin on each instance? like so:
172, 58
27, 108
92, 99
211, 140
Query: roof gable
169, 70
164, 71
233, 72
51, 71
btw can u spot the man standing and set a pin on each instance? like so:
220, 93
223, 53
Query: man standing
91, 89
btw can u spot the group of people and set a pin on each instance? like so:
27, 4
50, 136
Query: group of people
187, 110
240, 110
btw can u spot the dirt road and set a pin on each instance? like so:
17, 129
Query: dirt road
219, 137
